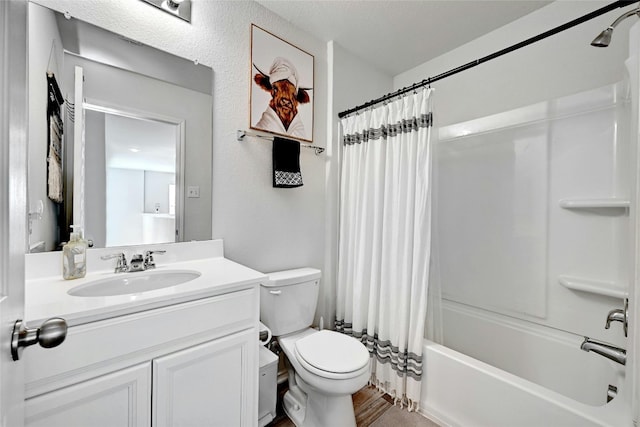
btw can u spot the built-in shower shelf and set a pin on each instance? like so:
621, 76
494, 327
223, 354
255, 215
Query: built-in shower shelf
598, 287
594, 203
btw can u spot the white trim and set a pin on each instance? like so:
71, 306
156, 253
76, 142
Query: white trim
13, 204
78, 150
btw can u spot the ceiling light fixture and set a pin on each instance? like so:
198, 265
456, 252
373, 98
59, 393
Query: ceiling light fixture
179, 8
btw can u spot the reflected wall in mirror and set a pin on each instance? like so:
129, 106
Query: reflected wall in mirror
134, 163
132, 117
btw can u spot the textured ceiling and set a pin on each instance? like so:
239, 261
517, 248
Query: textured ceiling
396, 36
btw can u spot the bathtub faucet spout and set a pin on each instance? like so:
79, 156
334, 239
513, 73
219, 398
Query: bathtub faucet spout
616, 354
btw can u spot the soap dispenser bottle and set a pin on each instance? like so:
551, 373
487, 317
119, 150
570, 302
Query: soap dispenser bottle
74, 256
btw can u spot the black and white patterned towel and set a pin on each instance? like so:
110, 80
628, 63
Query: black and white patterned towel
286, 163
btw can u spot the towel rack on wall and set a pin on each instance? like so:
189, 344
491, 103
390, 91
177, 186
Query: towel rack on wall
242, 133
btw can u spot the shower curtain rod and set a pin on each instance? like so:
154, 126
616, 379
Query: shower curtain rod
428, 81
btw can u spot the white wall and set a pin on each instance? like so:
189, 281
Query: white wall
156, 190
43, 56
124, 216
263, 227
560, 65
95, 179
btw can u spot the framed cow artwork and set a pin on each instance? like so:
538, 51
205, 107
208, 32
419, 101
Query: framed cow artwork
281, 95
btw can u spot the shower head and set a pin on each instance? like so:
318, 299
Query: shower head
604, 38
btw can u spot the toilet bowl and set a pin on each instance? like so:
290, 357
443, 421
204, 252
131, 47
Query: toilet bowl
328, 367
325, 367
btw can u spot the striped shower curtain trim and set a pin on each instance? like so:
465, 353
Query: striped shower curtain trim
404, 363
404, 126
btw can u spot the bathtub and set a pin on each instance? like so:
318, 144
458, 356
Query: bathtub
458, 390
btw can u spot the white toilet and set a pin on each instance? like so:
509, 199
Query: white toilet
328, 367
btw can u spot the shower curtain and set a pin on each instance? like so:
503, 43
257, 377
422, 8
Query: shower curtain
385, 239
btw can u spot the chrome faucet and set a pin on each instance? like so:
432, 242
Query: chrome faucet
619, 315
121, 265
616, 354
138, 262
148, 258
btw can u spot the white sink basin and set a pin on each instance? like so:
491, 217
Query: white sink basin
133, 283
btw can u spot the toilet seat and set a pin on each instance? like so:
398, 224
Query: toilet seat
332, 355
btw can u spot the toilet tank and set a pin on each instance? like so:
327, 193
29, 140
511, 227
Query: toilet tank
288, 300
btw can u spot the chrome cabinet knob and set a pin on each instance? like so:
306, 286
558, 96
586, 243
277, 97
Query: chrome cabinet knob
50, 334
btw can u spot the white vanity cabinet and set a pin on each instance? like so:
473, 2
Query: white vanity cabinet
188, 364
121, 398
203, 385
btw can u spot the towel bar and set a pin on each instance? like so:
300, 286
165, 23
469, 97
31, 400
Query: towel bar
242, 133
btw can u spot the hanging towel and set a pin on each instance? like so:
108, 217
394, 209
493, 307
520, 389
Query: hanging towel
286, 163
55, 131
54, 159
55, 95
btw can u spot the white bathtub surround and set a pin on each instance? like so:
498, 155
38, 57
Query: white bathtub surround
385, 236
546, 186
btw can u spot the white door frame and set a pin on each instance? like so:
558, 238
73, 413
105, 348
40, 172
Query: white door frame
633, 361
13, 203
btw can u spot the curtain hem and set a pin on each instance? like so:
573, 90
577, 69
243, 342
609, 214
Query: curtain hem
401, 401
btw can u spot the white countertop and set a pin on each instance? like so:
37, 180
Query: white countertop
46, 296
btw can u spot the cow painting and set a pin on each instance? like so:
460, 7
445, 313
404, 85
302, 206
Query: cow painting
281, 115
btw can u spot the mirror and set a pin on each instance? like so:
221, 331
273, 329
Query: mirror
136, 161
112, 122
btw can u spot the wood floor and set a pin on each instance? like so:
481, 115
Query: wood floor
372, 408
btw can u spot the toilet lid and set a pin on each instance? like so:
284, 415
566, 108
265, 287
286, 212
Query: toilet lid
332, 352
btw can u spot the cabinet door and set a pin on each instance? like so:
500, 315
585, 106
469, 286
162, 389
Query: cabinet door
118, 399
211, 384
